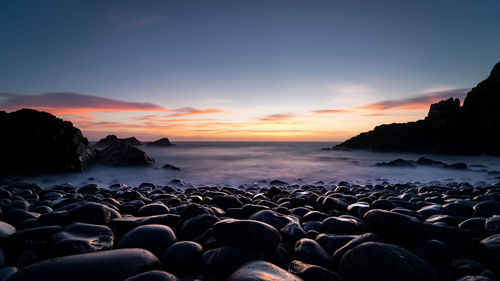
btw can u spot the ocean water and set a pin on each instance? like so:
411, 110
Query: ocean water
236, 163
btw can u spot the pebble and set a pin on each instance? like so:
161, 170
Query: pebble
261, 271
384, 262
153, 237
248, 234
112, 265
310, 272
182, 258
309, 251
153, 275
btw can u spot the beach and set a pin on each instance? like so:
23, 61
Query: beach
272, 229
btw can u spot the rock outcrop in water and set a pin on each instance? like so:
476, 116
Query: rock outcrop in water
121, 154
449, 128
112, 139
35, 142
163, 142
115, 151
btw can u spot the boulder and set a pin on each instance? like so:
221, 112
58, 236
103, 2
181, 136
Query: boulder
309, 272
182, 258
6, 230
261, 271
220, 262
394, 226
112, 265
384, 262
490, 252
79, 238
309, 251
153, 275
93, 213
35, 142
249, 234
153, 237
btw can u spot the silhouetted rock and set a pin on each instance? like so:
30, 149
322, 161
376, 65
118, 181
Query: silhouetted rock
171, 167
163, 142
35, 142
421, 162
112, 139
121, 154
113, 265
398, 163
429, 162
449, 128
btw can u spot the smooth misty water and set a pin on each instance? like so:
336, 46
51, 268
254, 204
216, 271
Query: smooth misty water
235, 163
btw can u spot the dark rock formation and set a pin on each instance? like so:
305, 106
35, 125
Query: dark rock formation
114, 151
35, 142
112, 139
422, 161
171, 167
398, 163
163, 142
473, 128
121, 154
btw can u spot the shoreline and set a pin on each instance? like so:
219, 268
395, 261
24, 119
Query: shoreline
306, 232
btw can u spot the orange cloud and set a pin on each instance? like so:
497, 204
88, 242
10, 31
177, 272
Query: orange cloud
421, 103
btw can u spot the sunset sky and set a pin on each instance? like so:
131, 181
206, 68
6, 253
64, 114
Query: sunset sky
242, 70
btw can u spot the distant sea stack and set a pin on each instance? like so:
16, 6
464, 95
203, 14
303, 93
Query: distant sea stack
114, 151
163, 142
35, 142
449, 128
112, 139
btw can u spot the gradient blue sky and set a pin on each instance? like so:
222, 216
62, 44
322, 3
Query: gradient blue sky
268, 69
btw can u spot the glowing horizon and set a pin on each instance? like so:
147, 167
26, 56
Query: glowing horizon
98, 117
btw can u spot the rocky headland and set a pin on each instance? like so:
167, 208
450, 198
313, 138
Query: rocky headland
473, 128
35, 142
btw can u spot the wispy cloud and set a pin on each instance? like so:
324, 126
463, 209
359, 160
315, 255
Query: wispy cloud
132, 19
396, 106
140, 22
417, 102
189, 111
73, 103
332, 111
277, 117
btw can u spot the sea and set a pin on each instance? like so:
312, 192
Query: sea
247, 163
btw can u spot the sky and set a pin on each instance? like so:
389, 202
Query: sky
288, 70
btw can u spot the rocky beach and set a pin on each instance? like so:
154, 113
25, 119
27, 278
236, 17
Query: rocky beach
266, 231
